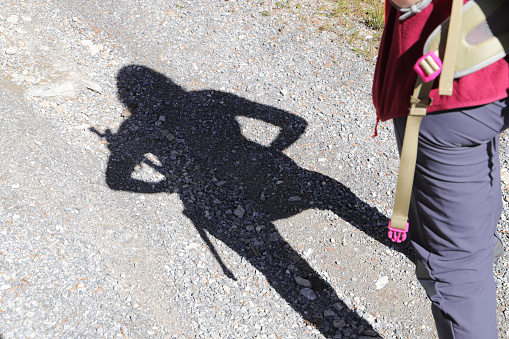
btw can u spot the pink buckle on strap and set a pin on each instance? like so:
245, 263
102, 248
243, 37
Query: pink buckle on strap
428, 66
397, 235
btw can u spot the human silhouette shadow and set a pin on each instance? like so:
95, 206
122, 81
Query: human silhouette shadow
232, 188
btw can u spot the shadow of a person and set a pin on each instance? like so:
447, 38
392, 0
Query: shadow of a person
204, 157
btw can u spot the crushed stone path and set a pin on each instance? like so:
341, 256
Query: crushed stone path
199, 169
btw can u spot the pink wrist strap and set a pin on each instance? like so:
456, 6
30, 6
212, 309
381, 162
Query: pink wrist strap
396, 234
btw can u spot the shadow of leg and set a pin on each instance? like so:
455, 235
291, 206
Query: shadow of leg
288, 274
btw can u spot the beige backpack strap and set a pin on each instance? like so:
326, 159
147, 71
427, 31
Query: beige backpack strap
420, 101
451, 49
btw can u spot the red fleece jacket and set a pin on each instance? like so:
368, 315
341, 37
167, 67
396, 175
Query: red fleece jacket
402, 44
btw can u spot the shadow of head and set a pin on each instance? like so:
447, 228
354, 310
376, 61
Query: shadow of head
138, 85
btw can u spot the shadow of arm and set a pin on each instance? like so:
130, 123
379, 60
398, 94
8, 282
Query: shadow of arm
121, 165
291, 125
118, 177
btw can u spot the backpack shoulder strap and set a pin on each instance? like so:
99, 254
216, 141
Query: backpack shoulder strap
451, 48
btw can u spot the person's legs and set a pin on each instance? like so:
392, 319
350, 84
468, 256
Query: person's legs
455, 207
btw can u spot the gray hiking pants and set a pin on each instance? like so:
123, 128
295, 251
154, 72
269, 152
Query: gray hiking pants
455, 207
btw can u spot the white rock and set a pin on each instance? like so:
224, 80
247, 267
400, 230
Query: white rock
11, 50
239, 211
69, 90
380, 283
329, 313
86, 43
13, 19
302, 282
308, 293
339, 323
369, 318
193, 246
94, 49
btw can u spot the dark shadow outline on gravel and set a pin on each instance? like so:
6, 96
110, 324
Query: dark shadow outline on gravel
209, 163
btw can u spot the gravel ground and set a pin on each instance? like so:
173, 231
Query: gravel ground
199, 169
